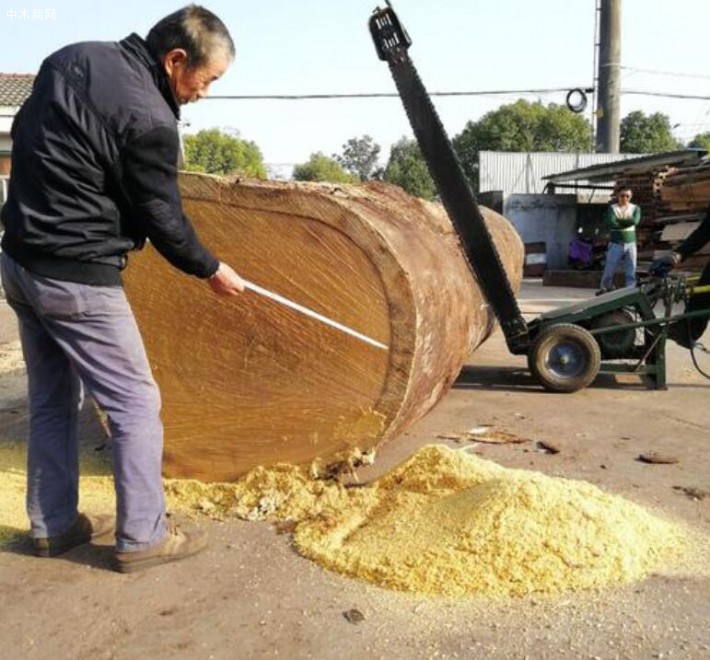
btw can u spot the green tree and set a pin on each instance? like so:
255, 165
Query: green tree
642, 134
700, 141
359, 157
521, 126
407, 169
215, 152
320, 167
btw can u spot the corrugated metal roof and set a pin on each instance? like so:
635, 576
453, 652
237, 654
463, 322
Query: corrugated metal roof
15, 88
524, 172
621, 167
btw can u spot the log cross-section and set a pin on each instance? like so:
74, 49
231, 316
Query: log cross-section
246, 381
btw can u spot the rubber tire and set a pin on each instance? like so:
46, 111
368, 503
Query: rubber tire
554, 337
615, 345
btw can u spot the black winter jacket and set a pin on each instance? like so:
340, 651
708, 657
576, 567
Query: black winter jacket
94, 167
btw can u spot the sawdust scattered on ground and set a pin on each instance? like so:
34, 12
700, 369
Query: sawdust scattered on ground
97, 492
443, 523
11, 357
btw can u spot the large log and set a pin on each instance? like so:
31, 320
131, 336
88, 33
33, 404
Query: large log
246, 381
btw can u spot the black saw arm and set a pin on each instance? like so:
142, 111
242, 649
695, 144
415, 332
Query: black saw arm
392, 43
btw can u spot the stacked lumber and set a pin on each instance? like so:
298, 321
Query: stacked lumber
685, 196
246, 381
673, 201
687, 190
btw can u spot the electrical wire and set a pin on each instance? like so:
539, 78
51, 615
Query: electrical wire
669, 95
493, 92
666, 73
377, 95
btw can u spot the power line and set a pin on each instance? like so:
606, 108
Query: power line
494, 92
377, 95
666, 73
669, 95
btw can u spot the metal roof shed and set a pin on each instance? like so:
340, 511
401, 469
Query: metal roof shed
610, 172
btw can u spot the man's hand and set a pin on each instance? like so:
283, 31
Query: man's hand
225, 281
664, 265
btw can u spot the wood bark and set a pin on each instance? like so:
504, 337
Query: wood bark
246, 381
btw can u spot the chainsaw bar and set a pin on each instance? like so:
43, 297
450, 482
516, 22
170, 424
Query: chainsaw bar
392, 43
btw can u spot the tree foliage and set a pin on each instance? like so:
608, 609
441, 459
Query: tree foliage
359, 157
700, 141
320, 167
215, 152
642, 134
521, 126
406, 168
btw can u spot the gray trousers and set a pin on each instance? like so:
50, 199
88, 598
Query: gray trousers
74, 334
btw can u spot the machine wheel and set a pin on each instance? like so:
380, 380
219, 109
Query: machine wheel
615, 345
564, 358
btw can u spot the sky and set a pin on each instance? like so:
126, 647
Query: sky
324, 47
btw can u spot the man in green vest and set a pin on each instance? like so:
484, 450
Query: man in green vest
622, 219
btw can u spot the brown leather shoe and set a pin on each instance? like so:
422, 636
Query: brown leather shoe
176, 545
83, 530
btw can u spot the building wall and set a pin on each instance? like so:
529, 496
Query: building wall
549, 219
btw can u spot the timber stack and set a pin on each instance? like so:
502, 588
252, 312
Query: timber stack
673, 201
685, 196
247, 381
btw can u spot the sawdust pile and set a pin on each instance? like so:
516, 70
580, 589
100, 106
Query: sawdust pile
281, 493
448, 523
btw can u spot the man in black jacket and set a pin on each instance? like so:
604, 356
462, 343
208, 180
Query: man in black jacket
687, 332
94, 175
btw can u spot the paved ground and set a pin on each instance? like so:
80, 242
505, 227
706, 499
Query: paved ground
252, 596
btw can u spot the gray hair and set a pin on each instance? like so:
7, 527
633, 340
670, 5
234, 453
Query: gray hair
194, 29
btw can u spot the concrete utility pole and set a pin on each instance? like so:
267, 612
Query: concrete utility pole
608, 108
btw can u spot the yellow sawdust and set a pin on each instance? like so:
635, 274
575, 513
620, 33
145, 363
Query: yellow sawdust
11, 357
443, 523
279, 493
96, 490
448, 523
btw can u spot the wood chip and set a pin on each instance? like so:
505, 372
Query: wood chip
354, 616
451, 436
486, 434
658, 458
693, 493
549, 447
500, 438
479, 430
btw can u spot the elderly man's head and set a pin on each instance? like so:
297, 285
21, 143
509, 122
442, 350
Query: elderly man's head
195, 49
